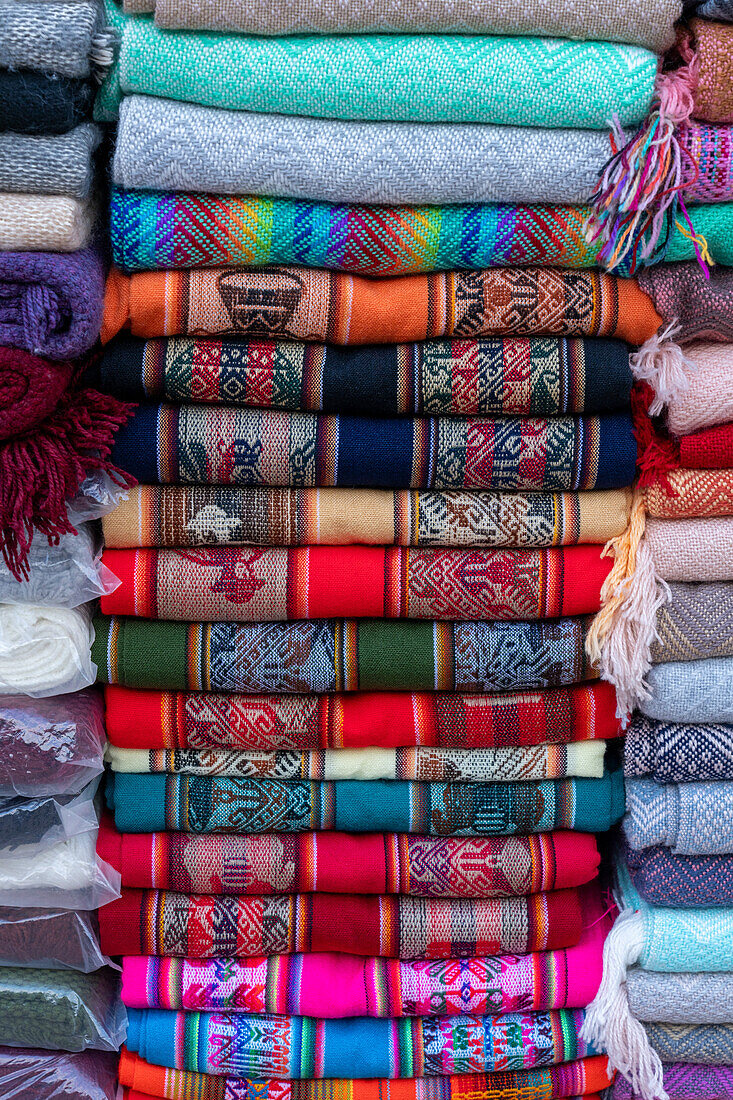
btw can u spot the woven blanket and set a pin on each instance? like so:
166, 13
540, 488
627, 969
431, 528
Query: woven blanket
341, 863
538, 1084
65, 37
711, 1045
295, 1047
413, 78
51, 304
712, 44
691, 691
481, 377
690, 818
179, 515
214, 804
685, 882
330, 307
710, 449
158, 922
673, 752
60, 164
708, 397
240, 584
685, 296
696, 624
680, 998
691, 493
691, 549
716, 9
44, 223
184, 720
42, 103
160, 230
428, 765
682, 1081
341, 655
173, 443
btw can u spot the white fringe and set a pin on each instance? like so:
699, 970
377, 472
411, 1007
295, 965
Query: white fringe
102, 53
662, 363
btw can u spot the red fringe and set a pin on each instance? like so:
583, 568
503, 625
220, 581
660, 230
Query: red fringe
657, 454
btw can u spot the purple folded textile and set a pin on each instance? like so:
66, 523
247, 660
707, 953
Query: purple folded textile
51, 304
684, 1082
685, 882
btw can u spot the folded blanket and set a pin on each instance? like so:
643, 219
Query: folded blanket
710, 449
680, 998
708, 397
696, 624
52, 164
45, 223
624, 21
50, 746
43, 103
712, 44
212, 804
91, 1074
684, 296
415, 78
342, 863
714, 9
481, 377
691, 691
158, 922
683, 1081
44, 650
504, 765
240, 584
690, 818
212, 515
295, 1047
673, 752
330, 307
524, 1084
32, 390
691, 549
691, 493
685, 882
337, 655
711, 1045
346, 985
160, 230
185, 720
172, 443
51, 304
65, 37
60, 1009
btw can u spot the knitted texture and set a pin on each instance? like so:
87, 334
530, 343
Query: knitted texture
364, 655
42, 103
696, 624
328, 307
48, 223
171, 720
177, 515
61, 36
510, 376
53, 165
708, 399
673, 752
684, 295
686, 882
680, 998
151, 230
690, 818
412, 78
713, 95
243, 584
691, 691
169, 443
51, 304
683, 1081
30, 390
712, 1045
622, 21
691, 549
691, 493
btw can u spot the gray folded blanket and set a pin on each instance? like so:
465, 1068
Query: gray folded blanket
680, 998
65, 37
60, 164
701, 1046
691, 691
696, 624
693, 819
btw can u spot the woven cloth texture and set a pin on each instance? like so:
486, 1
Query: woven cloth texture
675, 752
685, 882
690, 818
696, 624
692, 549
207, 515
160, 230
59, 36
274, 584
331, 307
341, 863
680, 998
412, 78
160, 922
713, 94
213, 804
60, 164
691, 493
44, 223
171, 443
702, 306
157, 720
51, 305
494, 376
42, 103
707, 1046
683, 1081
709, 449
708, 399
716, 9
691, 691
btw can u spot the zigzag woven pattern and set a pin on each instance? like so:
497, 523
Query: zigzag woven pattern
675, 752
696, 625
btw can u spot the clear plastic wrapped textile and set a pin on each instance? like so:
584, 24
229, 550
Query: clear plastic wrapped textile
54, 939
54, 1075
45, 650
65, 575
61, 1010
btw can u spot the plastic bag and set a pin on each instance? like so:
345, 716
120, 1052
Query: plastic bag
98, 495
45, 650
55, 939
51, 1075
66, 575
61, 1010
30, 825
68, 875
50, 746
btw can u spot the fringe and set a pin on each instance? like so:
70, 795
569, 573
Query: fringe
102, 53
663, 365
